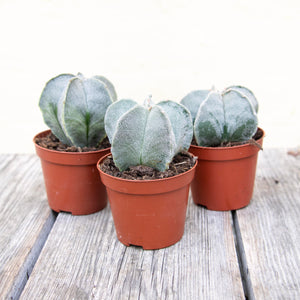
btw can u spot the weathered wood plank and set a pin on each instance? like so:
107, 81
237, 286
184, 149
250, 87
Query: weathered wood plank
25, 220
82, 259
270, 227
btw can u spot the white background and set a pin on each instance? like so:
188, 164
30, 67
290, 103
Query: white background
164, 48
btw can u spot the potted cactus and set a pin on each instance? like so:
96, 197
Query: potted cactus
74, 108
227, 141
148, 140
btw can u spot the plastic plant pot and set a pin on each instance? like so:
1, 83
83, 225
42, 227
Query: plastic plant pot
224, 178
72, 181
148, 213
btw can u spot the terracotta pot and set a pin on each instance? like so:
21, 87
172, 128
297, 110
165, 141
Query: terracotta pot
148, 213
224, 177
72, 181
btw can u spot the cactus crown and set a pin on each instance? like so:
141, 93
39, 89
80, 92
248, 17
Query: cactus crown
74, 108
147, 135
230, 116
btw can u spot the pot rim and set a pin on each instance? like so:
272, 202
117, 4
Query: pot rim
231, 147
63, 152
148, 180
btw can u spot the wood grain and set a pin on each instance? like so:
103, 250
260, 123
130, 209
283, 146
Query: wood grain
25, 220
270, 227
82, 259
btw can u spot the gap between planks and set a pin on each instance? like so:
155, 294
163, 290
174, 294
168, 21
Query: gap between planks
241, 256
25, 221
32, 258
98, 266
29, 264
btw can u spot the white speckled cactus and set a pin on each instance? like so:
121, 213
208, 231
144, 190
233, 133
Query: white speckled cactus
230, 116
246, 92
147, 135
74, 108
193, 101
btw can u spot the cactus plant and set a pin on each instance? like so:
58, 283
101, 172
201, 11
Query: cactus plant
230, 116
193, 100
147, 135
74, 108
246, 92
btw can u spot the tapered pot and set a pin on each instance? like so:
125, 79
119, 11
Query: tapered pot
148, 213
72, 181
224, 178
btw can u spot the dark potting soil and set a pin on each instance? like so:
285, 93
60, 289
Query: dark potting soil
181, 163
51, 142
257, 136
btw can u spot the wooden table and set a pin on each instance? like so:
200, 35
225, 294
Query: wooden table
253, 252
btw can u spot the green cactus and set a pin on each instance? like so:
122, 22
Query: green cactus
193, 100
246, 92
74, 108
147, 135
230, 116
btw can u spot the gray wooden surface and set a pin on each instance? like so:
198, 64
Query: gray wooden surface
25, 220
222, 255
270, 227
82, 259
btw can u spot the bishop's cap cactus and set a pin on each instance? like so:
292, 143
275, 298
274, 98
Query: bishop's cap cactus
74, 108
230, 116
246, 92
151, 136
193, 100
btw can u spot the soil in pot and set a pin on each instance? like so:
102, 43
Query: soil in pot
257, 136
71, 177
51, 142
181, 163
149, 209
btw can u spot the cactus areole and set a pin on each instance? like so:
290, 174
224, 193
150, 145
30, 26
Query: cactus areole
74, 108
230, 116
148, 134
